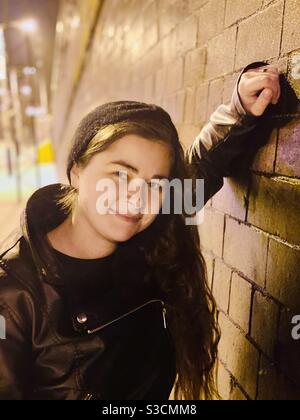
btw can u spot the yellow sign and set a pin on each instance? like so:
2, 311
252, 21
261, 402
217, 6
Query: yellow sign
46, 152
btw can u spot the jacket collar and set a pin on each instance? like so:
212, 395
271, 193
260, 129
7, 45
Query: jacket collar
40, 215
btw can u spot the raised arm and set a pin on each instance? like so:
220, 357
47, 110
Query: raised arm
223, 138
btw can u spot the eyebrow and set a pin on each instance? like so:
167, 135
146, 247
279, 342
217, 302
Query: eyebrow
132, 168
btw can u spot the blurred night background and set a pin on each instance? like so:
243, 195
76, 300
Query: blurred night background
27, 36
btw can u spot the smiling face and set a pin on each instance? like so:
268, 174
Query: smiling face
133, 159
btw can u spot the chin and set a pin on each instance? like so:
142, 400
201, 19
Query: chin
117, 234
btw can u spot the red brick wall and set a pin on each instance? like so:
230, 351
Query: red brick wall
185, 55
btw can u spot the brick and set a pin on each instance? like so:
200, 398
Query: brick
150, 14
246, 249
264, 323
174, 105
288, 154
288, 349
131, 36
187, 35
211, 18
188, 133
209, 261
135, 51
237, 394
281, 63
171, 13
175, 76
201, 103
273, 385
283, 276
239, 355
239, 9
150, 38
266, 43
221, 284
166, 17
194, 67
189, 109
214, 96
196, 4
229, 85
274, 206
148, 89
224, 382
211, 231
240, 301
232, 198
265, 157
152, 61
291, 35
169, 48
160, 83
221, 54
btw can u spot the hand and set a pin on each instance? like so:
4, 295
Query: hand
258, 88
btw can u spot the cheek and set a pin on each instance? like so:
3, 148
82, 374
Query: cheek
153, 203
97, 192
152, 210
147, 221
88, 196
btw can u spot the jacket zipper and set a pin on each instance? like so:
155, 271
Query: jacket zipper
164, 312
89, 396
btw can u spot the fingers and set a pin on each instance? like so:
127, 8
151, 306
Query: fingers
265, 77
269, 70
264, 69
262, 102
261, 82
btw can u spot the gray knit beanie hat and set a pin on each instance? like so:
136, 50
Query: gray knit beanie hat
110, 113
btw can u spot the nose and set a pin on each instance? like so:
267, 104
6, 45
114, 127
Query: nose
135, 204
136, 199
134, 207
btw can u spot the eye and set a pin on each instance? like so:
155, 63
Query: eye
122, 175
155, 185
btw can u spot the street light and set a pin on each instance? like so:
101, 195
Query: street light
29, 71
28, 25
26, 90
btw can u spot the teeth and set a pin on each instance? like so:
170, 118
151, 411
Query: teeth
131, 213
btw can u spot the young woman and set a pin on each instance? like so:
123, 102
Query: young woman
105, 305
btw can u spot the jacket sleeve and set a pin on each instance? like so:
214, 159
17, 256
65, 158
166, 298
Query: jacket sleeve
222, 141
14, 355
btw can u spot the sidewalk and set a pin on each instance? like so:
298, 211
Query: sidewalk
31, 178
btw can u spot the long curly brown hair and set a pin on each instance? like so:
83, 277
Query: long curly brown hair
172, 254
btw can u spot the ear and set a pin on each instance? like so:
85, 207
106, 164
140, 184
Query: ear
75, 174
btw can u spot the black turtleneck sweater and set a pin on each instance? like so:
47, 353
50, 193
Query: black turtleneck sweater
86, 279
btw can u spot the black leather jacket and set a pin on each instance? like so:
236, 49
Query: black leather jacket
117, 347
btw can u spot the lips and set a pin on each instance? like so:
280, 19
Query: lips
126, 217
134, 219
